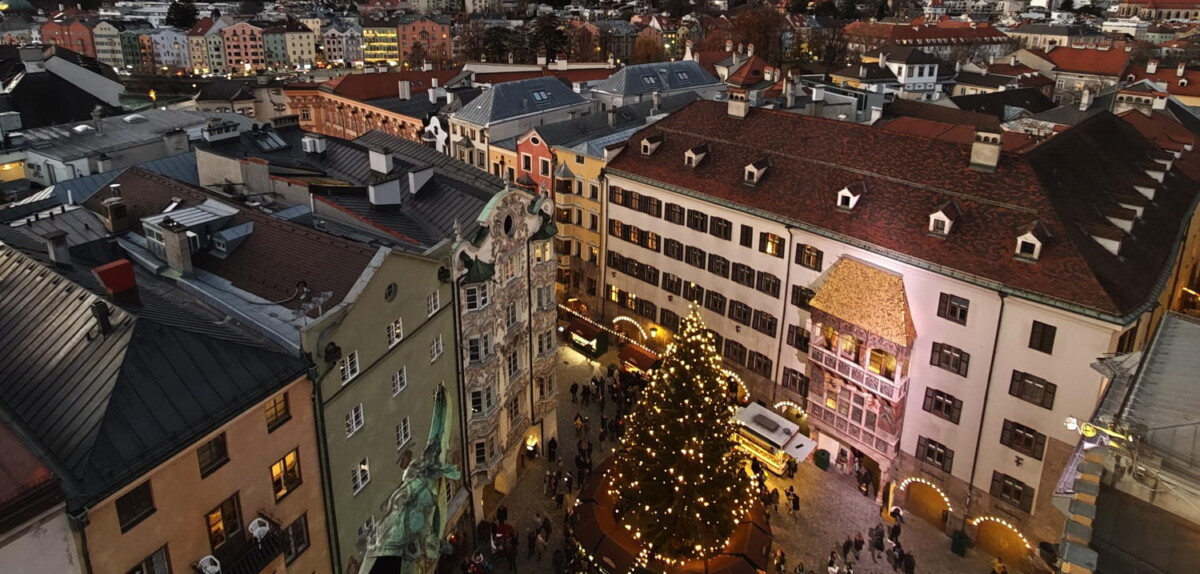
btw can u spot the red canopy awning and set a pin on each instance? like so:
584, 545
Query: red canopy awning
583, 328
638, 358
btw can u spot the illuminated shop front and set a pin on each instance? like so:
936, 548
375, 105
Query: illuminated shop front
770, 438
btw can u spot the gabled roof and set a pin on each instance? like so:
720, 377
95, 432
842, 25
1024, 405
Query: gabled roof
1187, 84
1063, 183
512, 99
594, 126
647, 78
108, 407
276, 258
362, 87
996, 103
1107, 61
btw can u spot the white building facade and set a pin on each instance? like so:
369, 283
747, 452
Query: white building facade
929, 377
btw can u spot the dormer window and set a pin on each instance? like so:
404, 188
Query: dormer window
649, 80
693, 157
1183, 83
848, 196
1030, 241
651, 143
755, 171
942, 219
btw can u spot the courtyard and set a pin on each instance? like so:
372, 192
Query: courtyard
831, 506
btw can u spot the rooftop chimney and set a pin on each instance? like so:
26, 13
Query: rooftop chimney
405, 90
101, 312
656, 98
56, 246
612, 117
118, 280
1085, 100
738, 108
985, 150
418, 177
177, 246
381, 161
114, 212
1180, 69
876, 114
1152, 66
728, 45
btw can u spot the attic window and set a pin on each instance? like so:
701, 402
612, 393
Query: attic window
693, 157
649, 80
847, 199
938, 225
682, 75
1183, 83
540, 95
651, 143
1028, 248
942, 219
755, 171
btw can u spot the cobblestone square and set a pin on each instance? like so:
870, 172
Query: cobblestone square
831, 506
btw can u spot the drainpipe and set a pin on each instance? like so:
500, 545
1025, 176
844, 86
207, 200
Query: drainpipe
335, 551
787, 281
987, 391
460, 375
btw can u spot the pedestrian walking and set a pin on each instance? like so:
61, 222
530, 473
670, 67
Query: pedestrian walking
567, 481
846, 547
800, 569
603, 435
910, 563
587, 426
859, 543
547, 526
775, 499
795, 504
894, 536
552, 449
502, 514
540, 544
832, 564
877, 542
530, 542
998, 566
897, 556
574, 391
558, 561
585, 396
578, 424
781, 562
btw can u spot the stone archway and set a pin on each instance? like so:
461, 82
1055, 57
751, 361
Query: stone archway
999, 537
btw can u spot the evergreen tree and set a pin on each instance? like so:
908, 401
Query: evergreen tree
680, 483
182, 14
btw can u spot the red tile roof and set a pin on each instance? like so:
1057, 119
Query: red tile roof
270, 263
1063, 184
1109, 61
201, 27
1169, 76
1170, 136
363, 87
918, 33
1013, 142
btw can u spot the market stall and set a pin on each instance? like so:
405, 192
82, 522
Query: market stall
771, 438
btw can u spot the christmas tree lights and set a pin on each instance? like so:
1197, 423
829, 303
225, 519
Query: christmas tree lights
680, 483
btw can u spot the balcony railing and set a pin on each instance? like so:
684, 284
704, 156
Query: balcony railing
846, 428
856, 373
254, 555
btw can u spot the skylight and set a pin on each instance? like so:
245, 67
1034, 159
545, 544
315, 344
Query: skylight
649, 80
540, 95
682, 75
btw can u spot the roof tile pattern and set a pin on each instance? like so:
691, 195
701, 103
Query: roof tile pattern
1061, 184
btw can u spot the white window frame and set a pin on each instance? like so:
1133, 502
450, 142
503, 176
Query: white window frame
360, 476
436, 348
356, 419
478, 297
403, 433
348, 367
395, 332
433, 302
400, 380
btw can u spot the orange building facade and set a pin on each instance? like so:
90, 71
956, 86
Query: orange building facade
207, 500
74, 35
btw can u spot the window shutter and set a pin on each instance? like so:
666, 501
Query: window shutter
762, 240
1035, 336
922, 447
799, 252
997, 483
964, 363
1039, 448
943, 305
948, 461
1027, 496
1014, 386
928, 406
820, 257
956, 411
1048, 395
1006, 433
934, 357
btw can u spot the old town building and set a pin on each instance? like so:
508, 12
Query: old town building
398, 103
937, 337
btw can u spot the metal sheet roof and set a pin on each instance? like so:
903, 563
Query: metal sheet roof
658, 77
108, 407
511, 99
1166, 399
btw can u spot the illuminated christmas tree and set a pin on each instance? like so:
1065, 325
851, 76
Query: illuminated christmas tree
680, 482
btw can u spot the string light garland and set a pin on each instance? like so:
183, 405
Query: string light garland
975, 522
904, 484
679, 482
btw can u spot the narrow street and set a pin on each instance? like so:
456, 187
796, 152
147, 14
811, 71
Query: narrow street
831, 506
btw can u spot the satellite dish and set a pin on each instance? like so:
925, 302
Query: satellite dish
210, 565
258, 528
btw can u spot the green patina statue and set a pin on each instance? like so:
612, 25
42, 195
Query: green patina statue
411, 527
